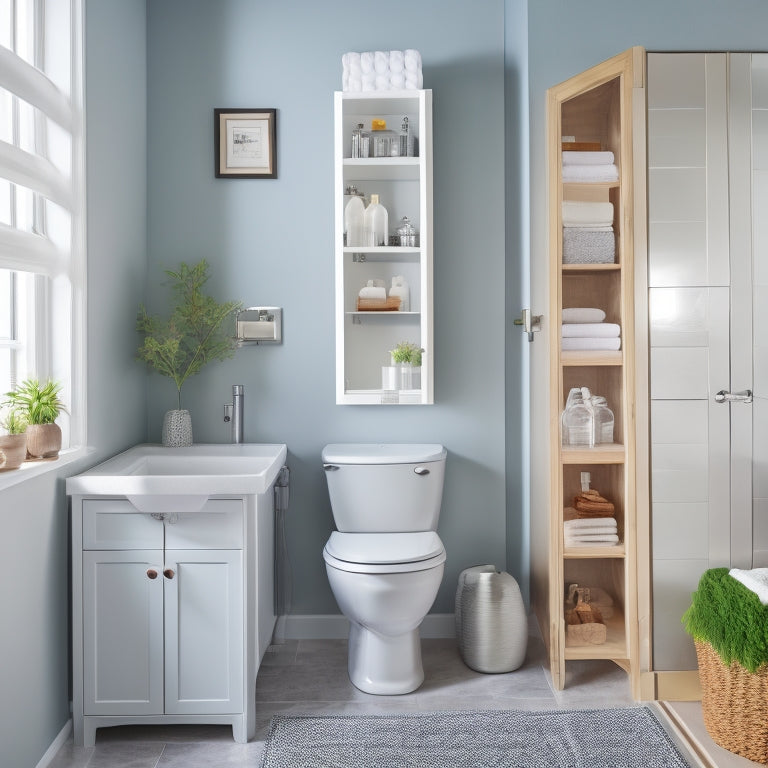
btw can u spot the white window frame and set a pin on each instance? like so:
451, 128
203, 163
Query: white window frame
58, 321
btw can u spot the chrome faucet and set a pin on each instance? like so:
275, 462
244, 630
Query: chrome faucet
233, 413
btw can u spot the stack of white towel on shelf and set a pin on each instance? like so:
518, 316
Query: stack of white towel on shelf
588, 236
381, 71
589, 167
584, 329
591, 532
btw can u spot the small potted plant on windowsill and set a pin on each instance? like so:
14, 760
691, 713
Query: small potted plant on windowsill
181, 345
13, 445
40, 405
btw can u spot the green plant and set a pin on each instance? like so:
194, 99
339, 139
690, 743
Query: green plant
14, 422
35, 402
407, 352
194, 334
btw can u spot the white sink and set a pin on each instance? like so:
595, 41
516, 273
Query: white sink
152, 475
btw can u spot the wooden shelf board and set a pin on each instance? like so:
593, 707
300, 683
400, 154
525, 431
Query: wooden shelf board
591, 267
382, 313
615, 646
591, 357
576, 185
610, 453
579, 553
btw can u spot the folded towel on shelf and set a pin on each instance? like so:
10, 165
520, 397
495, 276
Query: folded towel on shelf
571, 157
381, 62
575, 524
396, 61
592, 541
593, 330
581, 213
583, 245
412, 60
382, 82
606, 530
755, 580
413, 80
593, 343
397, 81
590, 173
368, 81
583, 315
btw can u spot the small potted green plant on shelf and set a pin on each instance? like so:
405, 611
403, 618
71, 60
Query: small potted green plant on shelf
407, 357
13, 444
39, 405
181, 345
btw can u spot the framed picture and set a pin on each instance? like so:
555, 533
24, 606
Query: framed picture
245, 143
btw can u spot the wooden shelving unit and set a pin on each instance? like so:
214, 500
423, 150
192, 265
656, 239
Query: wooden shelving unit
599, 105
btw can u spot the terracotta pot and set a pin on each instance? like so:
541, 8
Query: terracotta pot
43, 441
13, 451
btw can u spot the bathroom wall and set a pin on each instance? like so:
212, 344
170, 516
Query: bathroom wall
34, 524
271, 242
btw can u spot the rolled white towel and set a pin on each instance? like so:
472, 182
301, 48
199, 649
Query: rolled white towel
372, 292
755, 580
591, 343
381, 62
594, 330
581, 213
590, 173
367, 61
368, 81
382, 82
587, 158
396, 61
397, 80
413, 80
345, 80
583, 315
412, 60
355, 83
353, 62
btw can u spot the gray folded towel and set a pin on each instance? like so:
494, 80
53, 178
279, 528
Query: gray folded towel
588, 246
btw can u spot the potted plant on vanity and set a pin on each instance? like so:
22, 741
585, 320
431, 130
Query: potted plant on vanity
180, 346
13, 444
38, 405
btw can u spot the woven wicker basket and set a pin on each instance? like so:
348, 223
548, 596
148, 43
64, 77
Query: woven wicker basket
734, 703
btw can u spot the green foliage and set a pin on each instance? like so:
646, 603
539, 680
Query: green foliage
36, 403
14, 422
730, 618
407, 352
194, 334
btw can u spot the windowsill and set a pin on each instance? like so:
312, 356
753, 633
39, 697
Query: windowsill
31, 469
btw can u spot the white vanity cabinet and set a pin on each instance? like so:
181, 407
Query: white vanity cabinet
166, 622
364, 337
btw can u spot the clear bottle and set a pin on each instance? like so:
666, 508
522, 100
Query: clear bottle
354, 220
376, 223
405, 139
603, 417
361, 142
577, 420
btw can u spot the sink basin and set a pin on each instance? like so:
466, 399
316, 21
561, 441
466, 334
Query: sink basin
148, 473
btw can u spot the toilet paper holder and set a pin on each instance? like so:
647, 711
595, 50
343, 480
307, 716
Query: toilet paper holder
259, 325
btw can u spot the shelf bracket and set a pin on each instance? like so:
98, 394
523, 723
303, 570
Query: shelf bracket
530, 323
358, 258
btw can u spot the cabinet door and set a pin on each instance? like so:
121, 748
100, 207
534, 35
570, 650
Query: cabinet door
203, 631
122, 632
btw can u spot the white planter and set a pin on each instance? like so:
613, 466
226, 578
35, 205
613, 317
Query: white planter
177, 429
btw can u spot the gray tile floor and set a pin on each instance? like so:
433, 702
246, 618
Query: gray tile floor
310, 677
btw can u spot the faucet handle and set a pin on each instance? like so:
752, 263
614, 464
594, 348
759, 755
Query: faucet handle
228, 413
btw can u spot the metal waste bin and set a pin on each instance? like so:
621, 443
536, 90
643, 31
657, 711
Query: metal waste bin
491, 623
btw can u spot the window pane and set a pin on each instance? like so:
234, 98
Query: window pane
5, 23
25, 30
6, 305
6, 382
24, 209
26, 126
5, 202
6, 115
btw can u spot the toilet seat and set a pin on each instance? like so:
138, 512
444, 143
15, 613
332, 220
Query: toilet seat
384, 552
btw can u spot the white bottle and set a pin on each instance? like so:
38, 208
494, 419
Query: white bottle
400, 288
354, 221
376, 223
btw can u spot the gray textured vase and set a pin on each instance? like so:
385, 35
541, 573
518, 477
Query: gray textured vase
491, 623
177, 429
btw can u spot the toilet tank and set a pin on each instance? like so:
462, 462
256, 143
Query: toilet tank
385, 488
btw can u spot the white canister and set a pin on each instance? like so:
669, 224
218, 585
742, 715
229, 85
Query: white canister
401, 289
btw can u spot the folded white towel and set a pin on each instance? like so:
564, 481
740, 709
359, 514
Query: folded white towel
413, 80
372, 292
382, 82
605, 540
594, 330
587, 158
397, 80
579, 213
367, 61
590, 533
583, 315
368, 81
381, 62
591, 344
585, 524
590, 173
355, 83
755, 580
412, 60
396, 61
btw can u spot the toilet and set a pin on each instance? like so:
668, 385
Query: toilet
385, 561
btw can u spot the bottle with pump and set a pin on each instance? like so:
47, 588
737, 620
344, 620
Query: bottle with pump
354, 219
376, 223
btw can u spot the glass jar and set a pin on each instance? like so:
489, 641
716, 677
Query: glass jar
406, 233
361, 142
577, 420
603, 417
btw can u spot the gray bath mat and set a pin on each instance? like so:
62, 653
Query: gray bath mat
604, 738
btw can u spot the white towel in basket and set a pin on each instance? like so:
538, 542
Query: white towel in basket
755, 580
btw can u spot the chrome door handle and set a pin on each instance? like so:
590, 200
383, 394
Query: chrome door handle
724, 396
529, 322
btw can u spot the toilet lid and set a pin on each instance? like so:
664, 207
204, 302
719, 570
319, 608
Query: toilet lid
382, 453
384, 548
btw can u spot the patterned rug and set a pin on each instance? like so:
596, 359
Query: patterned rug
600, 738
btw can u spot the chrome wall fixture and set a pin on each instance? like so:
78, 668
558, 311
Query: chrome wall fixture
259, 325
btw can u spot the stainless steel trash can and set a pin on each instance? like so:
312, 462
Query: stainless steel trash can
491, 623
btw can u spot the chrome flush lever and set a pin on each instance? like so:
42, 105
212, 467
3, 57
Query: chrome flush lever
724, 396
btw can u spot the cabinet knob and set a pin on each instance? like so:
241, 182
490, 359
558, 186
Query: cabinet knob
152, 573
169, 573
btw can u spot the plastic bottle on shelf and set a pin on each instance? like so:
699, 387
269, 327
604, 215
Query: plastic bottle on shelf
401, 289
354, 219
603, 418
376, 223
577, 419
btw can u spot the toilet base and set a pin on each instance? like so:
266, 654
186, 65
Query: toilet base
382, 664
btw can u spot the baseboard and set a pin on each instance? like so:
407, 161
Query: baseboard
56, 745
336, 626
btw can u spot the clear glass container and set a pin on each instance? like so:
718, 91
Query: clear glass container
577, 420
361, 142
603, 418
386, 143
406, 233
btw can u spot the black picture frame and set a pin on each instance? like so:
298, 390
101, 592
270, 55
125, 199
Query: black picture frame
245, 143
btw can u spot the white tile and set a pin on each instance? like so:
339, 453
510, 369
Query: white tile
677, 253
673, 487
680, 457
760, 139
760, 447
680, 531
677, 194
760, 381
760, 226
679, 317
676, 80
679, 421
760, 529
679, 373
760, 80
677, 138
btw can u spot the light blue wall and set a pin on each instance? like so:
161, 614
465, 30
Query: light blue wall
271, 242
34, 526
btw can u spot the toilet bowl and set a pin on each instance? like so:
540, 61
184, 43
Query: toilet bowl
385, 563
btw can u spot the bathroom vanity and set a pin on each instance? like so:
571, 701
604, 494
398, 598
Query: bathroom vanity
173, 586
